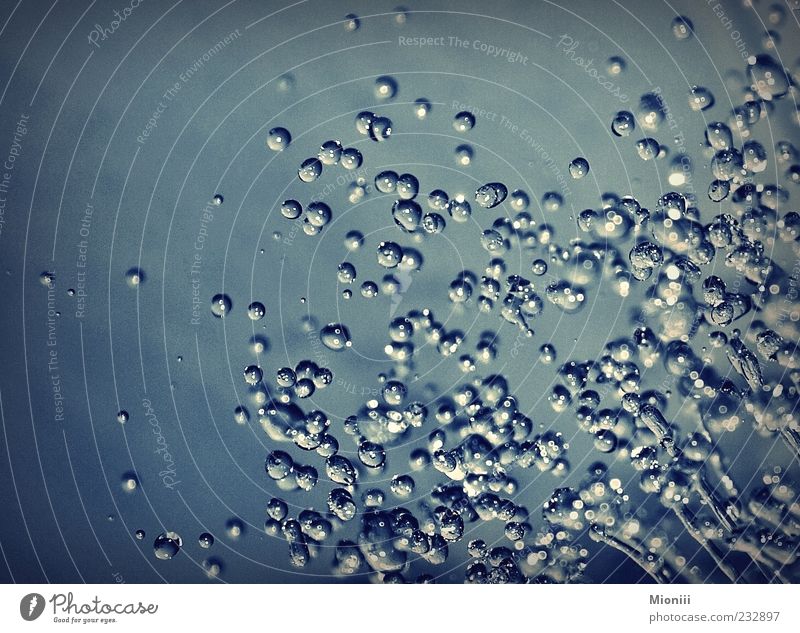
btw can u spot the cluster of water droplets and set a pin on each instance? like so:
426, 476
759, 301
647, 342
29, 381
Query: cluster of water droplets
726, 350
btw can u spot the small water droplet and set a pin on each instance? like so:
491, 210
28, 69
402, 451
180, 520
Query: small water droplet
221, 305
167, 545
335, 336
278, 139
578, 168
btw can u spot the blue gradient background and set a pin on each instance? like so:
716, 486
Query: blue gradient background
60, 481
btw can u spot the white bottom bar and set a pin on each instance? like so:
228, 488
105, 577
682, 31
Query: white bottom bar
348, 608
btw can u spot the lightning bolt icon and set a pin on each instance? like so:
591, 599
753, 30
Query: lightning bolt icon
32, 606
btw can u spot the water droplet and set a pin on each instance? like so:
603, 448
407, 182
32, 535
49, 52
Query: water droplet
351, 158
422, 108
493, 242
221, 305
519, 200
464, 122
400, 16
318, 214
291, 209
340, 470
241, 415
381, 129
353, 240
278, 139
167, 545
134, 277
256, 310
385, 87
351, 22
682, 28
285, 83
278, 465
389, 254
234, 528
386, 181
310, 170
253, 374
205, 540
369, 290
552, 201
402, 486
490, 195
407, 215
616, 65
130, 482
47, 279
547, 354
727, 164
364, 120
330, 152
650, 112
371, 455
407, 186
335, 336
578, 168
700, 98
769, 78
437, 200
539, 267
719, 136
464, 154
647, 148
754, 157
623, 123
